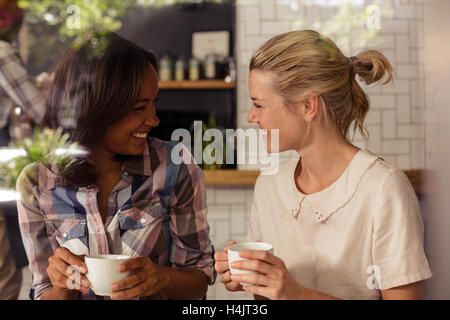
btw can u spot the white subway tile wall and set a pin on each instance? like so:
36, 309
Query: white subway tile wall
400, 39
228, 211
401, 120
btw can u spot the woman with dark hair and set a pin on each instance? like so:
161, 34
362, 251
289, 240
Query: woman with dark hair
124, 195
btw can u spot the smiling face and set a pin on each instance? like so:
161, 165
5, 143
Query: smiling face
269, 112
129, 135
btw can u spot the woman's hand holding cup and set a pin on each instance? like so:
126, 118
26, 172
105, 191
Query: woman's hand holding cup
61, 268
144, 280
262, 273
223, 269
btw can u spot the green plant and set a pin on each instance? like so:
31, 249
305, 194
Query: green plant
49, 146
54, 24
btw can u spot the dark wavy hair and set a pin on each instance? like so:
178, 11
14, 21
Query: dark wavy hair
95, 84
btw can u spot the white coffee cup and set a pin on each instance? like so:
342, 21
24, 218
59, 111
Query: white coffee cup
103, 271
233, 255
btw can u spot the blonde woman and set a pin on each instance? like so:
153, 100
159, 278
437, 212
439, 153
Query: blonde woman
344, 223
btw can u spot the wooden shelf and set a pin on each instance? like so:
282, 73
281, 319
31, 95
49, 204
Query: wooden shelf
200, 84
243, 178
230, 178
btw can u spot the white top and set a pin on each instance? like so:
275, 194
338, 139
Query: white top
362, 234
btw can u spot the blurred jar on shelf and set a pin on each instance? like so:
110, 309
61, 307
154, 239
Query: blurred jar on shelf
179, 69
194, 69
165, 68
210, 67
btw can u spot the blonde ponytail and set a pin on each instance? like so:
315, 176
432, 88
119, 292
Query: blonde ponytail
371, 66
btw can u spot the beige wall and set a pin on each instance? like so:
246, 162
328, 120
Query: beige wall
437, 212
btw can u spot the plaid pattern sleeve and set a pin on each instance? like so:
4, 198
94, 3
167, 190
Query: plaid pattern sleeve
191, 247
33, 228
18, 86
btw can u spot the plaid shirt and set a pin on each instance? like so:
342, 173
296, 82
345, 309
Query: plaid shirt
53, 215
17, 88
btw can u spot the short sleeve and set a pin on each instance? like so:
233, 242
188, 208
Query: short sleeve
398, 251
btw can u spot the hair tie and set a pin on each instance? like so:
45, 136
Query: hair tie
355, 62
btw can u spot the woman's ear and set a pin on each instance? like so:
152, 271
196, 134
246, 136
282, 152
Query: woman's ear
311, 109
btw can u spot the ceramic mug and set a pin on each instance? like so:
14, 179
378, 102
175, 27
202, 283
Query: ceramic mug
233, 255
103, 271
